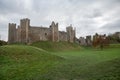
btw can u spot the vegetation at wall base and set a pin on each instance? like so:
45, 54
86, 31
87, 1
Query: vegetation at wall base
3, 43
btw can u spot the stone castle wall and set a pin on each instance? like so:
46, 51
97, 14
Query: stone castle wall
39, 34
62, 36
25, 33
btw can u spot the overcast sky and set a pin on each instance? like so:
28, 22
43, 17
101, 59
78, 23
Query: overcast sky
88, 16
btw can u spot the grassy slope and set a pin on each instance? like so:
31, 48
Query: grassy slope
25, 62
55, 46
33, 63
90, 64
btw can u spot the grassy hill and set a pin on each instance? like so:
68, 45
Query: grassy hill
21, 62
59, 61
56, 46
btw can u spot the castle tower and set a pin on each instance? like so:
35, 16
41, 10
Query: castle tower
89, 40
24, 30
12, 33
70, 34
54, 32
19, 34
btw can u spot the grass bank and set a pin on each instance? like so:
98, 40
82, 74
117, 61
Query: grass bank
56, 46
21, 62
59, 61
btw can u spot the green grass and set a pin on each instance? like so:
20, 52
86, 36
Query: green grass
25, 62
59, 61
89, 64
55, 46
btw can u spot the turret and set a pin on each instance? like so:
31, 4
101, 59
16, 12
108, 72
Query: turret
24, 26
11, 33
70, 34
54, 32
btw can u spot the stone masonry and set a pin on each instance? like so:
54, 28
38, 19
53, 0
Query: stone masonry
25, 33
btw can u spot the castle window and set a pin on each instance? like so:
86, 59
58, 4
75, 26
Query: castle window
45, 34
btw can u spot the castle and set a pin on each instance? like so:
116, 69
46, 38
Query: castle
25, 33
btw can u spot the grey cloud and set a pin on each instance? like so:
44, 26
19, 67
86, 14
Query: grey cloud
9, 6
82, 14
113, 26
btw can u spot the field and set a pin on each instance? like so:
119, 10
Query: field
59, 61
